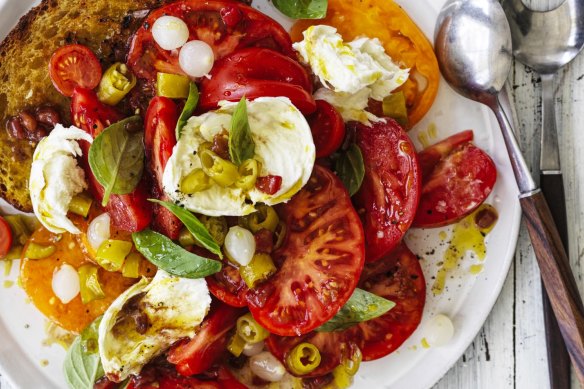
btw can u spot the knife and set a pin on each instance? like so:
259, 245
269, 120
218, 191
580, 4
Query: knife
552, 186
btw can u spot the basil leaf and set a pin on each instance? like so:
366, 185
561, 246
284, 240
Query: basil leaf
116, 158
194, 226
241, 145
82, 366
302, 9
351, 169
189, 108
172, 258
362, 306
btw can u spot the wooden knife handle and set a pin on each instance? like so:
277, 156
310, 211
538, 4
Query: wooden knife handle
557, 277
552, 186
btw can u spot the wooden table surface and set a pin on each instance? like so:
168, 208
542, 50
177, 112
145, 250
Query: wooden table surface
510, 351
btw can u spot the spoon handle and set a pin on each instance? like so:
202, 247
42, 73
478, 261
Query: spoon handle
557, 276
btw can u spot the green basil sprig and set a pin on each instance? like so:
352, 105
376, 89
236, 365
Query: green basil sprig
116, 157
351, 169
302, 9
194, 226
189, 108
173, 259
82, 366
362, 306
241, 144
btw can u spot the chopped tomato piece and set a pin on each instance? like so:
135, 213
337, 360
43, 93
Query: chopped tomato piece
228, 286
5, 237
269, 184
74, 65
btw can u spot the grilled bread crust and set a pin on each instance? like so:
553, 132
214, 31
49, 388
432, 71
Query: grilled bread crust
105, 26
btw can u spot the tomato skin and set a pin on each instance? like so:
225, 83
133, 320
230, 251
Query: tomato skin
202, 351
430, 156
459, 183
391, 187
257, 72
310, 287
228, 286
130, 212
269, 184
402, 281
211, 21
74, 65
5, 237
159, 140
328, 129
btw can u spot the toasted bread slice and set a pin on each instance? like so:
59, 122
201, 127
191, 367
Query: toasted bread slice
103, 25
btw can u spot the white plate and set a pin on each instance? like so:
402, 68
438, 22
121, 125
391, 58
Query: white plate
469, 298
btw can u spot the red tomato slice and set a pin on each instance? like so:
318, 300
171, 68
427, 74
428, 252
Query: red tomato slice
430, 156
319, 264
228, 286
333, 348
328, 129
5, 237
390, 191
159, 139
457, 186
257, 72
202, 351
225, 25
402, 282
74, 65
269, 184
130, 212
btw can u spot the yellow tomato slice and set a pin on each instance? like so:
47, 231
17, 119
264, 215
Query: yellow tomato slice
403, 41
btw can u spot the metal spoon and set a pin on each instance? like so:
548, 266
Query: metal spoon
473, 47
546, 41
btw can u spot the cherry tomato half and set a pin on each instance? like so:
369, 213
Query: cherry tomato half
257, 72
202, 351
328, 129
459, 183
130, 212
159, 139
402, 281
226, 26
5, 237
390, 191
402, 39
319, 263
74, 65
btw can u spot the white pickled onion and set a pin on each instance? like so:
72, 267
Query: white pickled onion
196, 58
65, 283
98, 230
439, 330
240, 245
267, 367
251, 349
170, 32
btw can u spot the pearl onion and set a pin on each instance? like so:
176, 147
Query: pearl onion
98, 230
240, 245
65, 283
439, 331
196, 58
170, 32
267, 367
